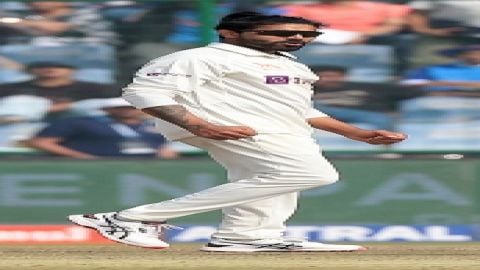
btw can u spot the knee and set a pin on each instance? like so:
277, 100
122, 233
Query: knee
313, 179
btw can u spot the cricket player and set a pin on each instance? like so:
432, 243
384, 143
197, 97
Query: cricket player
247, 102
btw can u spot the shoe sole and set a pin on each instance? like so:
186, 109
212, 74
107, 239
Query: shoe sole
81, 221
226, 249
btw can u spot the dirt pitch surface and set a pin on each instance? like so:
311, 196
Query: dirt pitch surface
412, 256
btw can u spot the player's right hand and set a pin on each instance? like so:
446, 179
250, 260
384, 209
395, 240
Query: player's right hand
216, 132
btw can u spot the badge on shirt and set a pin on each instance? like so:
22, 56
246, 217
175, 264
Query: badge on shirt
277, 79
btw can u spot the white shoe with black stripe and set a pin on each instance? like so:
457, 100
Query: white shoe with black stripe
275, 245
135, 233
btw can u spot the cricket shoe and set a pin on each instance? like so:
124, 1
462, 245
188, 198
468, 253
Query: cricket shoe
135, 233
275, 245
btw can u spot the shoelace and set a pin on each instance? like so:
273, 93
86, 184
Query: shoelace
126, 227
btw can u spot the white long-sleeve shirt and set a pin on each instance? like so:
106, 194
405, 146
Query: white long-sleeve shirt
229, 85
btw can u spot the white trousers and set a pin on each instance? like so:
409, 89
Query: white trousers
265, 174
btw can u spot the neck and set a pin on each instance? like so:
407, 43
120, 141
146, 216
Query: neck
52, 82
261, 50
251, 47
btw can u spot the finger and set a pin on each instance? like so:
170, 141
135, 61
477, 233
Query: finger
246, 134
223, 137
230, 135
383, 141
397, 136
392, 138
246, 130
389, 134
240, 134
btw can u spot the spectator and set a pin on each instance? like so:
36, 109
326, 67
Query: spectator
56, 21
359, 22
461, 77
446, 18
55, 82
187, 22
357, 102
366, 18
122, 132
124, 11
20, 117
58, 30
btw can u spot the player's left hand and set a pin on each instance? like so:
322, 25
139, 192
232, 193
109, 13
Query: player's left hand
380, 137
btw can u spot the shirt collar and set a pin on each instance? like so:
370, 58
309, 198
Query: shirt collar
247, 51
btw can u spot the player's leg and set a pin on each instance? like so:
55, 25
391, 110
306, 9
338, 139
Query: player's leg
260, 225
272, 170
256, 171
264, 219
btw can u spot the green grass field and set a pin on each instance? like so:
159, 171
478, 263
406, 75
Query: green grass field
448, 256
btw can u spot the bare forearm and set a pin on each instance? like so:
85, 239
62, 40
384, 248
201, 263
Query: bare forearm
47, 27
332, 125
392, 26
57, 149
418, 22
384, 137
178, 115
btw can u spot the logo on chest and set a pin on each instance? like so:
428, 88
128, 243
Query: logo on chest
276, 79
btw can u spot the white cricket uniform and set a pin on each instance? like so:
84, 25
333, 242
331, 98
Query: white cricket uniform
231, 85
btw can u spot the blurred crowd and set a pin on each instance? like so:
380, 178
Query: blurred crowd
406, 65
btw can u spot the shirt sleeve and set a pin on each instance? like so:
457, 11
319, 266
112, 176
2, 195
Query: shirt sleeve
162, 80
314, 113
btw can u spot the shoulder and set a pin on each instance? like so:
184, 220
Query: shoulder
197, 59
189, 55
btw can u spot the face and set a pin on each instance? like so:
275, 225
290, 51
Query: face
471, 57
52, 72
272, 38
